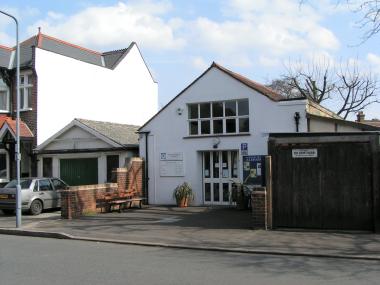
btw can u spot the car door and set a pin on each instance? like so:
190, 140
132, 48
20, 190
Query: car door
58, 185
46, 193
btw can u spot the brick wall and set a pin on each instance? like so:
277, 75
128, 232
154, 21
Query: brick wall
83, 200
259, 208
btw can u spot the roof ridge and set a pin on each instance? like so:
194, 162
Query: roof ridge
255, 84
107, 122
7, 48
70, 44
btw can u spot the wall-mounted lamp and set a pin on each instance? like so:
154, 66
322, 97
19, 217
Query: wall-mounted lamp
179, 111
297, 120
215, 142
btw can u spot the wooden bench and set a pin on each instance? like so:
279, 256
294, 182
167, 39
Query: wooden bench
121, 203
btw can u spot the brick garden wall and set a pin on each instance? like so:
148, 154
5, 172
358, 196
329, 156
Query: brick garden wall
259, 208
83, 200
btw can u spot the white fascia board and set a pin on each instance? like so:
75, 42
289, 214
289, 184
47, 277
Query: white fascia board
96, 134
292, 102
53, 137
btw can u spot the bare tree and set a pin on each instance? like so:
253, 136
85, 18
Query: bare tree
356, 90
350, 89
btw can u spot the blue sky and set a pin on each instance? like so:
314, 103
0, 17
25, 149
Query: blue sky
180, 39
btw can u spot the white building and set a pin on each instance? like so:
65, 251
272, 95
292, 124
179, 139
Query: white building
200, 136
60, 81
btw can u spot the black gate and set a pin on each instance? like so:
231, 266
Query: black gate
331, 189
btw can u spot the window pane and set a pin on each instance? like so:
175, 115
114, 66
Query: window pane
205, 110
30, 81
58, 184
22, 79
226, 193
207, 192
216, 192
45, 185
225, 173
193, 111
218, 126
230, 108
217, 109
231, 126
243, 125
234, 164
207, 169
205, 127
194, 128
29, 105
3, 166
243, 107
215, 162
22, 98
3, 100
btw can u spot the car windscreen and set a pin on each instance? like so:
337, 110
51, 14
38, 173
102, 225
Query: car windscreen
24, 183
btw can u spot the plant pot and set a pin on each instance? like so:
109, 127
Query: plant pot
182, 203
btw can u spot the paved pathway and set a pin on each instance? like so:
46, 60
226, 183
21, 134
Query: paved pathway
202, 227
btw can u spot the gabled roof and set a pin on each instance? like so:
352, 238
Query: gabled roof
265, 91
108, 59
116, 135
7, 123
120, 133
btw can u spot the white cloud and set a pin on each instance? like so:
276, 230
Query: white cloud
115, 26
199, 63
374, 61
275, 28
269, 61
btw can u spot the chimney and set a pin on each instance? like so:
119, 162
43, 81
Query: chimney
360, 117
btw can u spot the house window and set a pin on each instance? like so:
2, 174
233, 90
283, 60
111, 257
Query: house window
4, 175
4, 96
26, 86
221, 117
47, 167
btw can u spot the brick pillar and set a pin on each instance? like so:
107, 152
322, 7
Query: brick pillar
121, 180
259, 208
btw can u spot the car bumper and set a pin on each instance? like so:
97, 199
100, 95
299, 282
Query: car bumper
11, 205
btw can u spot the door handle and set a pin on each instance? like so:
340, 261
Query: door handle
42, 193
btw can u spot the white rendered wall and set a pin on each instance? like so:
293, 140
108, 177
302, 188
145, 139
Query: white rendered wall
69, 88
168, 129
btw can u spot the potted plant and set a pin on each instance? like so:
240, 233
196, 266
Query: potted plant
183, 194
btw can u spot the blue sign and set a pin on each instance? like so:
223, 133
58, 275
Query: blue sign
244, 148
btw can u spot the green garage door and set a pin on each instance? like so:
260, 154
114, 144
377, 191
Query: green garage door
79, 171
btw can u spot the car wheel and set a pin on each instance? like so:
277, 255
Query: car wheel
8, 211
36, 207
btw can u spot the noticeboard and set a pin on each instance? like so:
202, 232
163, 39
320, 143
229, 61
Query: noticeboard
254, 170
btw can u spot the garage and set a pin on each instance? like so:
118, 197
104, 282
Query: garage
79, 171
325, 181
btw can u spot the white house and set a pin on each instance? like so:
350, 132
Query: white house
201, 135
60, 81
86, 151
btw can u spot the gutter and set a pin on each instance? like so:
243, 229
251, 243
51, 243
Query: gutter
146, 171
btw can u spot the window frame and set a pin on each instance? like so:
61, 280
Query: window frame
211, 119
6, 179
25, 86
5, 87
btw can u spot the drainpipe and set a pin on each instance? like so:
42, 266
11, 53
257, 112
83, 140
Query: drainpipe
297, 120
146, 171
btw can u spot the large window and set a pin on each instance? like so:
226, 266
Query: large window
26, 85
221, 117
4, 96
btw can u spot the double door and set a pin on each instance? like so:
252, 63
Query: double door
219, 170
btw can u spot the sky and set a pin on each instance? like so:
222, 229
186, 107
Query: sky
179, 39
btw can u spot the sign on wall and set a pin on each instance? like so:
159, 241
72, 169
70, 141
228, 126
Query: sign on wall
305, 153
171, 164
244, 148
254, 170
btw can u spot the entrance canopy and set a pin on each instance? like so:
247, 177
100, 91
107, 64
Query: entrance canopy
9, 124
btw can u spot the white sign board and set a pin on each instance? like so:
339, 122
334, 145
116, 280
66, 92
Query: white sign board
305, 153
171, 168
171, 156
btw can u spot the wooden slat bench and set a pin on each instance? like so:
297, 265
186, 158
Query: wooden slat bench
121, 203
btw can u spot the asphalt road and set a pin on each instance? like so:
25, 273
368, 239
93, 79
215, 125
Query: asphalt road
32, 261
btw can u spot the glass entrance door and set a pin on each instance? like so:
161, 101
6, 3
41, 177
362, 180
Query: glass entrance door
219, 168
